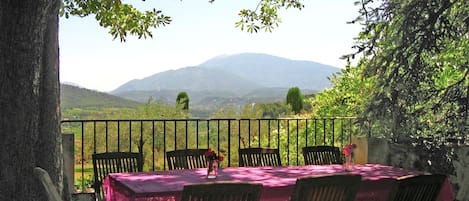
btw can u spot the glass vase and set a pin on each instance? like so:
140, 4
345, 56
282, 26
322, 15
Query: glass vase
212, 169
348, 165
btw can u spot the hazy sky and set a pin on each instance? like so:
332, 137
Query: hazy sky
200, 31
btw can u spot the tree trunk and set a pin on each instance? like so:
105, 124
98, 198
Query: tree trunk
29, 100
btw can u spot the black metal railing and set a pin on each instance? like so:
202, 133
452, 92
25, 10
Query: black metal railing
155, 137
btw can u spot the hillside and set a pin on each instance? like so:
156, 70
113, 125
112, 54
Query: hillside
76, 97
169, 96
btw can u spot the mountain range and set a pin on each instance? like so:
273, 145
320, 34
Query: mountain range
223, 80
228, 78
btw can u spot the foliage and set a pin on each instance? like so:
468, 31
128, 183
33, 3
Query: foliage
295, 99
274, 110
86, 182
265, 16
182, 100
123, 19
347, 96
307, 100
434, 157
414, 57
227, 111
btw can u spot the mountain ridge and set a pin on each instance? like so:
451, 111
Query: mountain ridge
239, 74
274, 71
189, 78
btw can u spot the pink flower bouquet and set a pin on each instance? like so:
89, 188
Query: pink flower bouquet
348, 149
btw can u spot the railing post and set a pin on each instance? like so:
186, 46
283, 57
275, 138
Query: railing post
268, 133
288, 141
118, 136
208, 133
187, 132
153, 145
324, 131
297, 143
218, 136
164, 144
197, 134
175, 135
315, 131
258, 133
306, 133
249, 133
333, 131
229, 143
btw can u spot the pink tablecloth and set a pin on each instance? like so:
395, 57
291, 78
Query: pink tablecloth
278, 182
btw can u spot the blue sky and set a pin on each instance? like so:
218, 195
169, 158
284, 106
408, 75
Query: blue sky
200, 31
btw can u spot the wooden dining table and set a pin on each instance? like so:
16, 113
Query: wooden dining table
278, 182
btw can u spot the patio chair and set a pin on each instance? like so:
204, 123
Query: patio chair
417, 188
326, 188
259, 157
186, 159
222, 191
322, 155
114, 162
43, 176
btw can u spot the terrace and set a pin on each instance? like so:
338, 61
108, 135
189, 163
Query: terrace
155, 137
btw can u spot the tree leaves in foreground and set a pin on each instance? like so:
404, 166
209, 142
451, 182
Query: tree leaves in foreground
265, 16
417, 53
123, 19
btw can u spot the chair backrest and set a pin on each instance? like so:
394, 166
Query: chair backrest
417, 188
222, 191
259, 157
322, 155
114, 162
326, 188
186, 159
46, 182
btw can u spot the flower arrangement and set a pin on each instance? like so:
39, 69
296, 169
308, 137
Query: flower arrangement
212, 163
211, 155
348, 149
348, 152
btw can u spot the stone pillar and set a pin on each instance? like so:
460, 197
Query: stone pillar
68, 142
360, 154
378, 151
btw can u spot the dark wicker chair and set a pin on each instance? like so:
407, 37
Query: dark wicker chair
259, 157
44, 178
114, 162
322, 155
326, 188
186, 159
222, 191
417, 188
